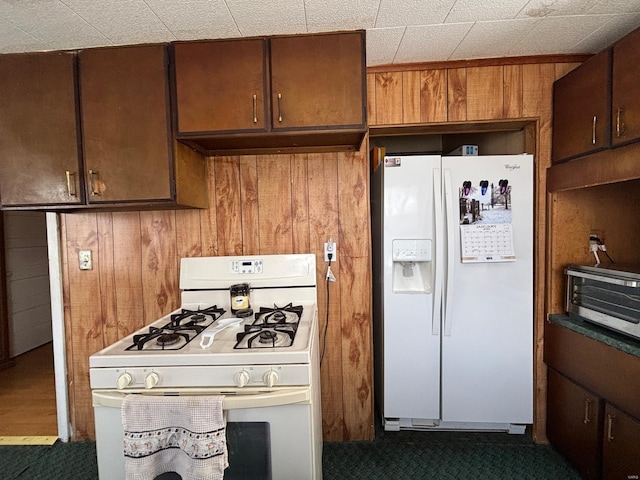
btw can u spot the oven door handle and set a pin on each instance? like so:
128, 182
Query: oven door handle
275, 398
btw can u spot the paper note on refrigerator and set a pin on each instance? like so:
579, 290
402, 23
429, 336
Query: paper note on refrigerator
487, 243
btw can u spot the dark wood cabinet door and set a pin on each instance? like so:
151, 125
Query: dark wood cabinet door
625, 90
621, 445
581, 109
220, 86
39, 152
574, 424
317, 81
125, 121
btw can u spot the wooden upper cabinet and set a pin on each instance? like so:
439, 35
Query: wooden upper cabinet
625, 90
271, 95
124, 100
621, 445
40, 162
582, 109
316, 81
221, 86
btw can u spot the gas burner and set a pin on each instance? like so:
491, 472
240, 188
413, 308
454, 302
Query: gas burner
166, 339
266, 336
279, 315
197, 316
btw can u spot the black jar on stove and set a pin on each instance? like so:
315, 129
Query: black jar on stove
239, 297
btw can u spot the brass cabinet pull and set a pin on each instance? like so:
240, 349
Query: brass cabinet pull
255, 109
71, 183
280, 107
610, 419
619, 123
587, 405
93, 176
593, 130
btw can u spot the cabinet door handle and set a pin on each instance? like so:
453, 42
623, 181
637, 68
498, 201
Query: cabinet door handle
587, 405
71, 183
619, 123
593, 130
255, 109
93, 176
280, 107
610, 419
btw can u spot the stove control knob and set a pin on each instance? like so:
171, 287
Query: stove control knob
151, 380
124, 380
242, 378
271, 378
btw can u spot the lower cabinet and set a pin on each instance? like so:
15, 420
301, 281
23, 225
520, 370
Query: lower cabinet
574, 424
621, 445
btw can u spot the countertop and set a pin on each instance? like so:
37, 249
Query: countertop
596, 332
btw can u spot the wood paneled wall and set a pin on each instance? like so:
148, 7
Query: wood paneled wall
257, 205
293, 204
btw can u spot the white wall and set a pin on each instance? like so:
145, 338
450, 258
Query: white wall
27, 274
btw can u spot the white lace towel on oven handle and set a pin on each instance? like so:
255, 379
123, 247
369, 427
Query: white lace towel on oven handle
182, 434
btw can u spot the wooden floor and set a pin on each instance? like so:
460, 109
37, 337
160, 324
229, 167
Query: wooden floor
27, 395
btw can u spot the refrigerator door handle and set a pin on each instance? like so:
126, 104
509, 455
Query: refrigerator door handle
437, 293
450, 216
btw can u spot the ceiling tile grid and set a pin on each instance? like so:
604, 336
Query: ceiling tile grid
398, 31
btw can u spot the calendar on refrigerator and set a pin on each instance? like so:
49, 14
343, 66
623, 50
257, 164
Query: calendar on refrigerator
487, 243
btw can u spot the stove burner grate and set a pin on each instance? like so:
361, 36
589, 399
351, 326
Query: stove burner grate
196, 316
273, 327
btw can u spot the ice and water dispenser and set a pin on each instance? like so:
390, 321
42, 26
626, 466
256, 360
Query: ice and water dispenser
411, 265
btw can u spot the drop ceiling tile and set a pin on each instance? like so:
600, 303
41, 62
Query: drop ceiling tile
124, 21
195, 19
481, 10
394, 13
615, 29
430, 42
494, 39
51, 22
616, 6
14, 39
335, 15
268, 18
559, 34
546, 8
382, 45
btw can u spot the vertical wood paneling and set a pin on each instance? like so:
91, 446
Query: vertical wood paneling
208, 217
159, 263
355, 294
323, 223
300, 204
537, 90
105, 270
457, 94
410, 97
249, 204
484, 93
228, 206
274, 197
433, 96
127, 260
85, 321
563, 68
188, 238
388, 93
371, 99
512, 91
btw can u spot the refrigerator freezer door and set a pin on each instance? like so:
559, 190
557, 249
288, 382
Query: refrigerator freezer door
487, 358
411, 366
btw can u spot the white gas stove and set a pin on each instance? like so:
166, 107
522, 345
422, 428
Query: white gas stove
264, 354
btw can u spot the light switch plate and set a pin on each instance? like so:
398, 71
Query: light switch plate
85, 260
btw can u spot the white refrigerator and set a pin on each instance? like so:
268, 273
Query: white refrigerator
453, 292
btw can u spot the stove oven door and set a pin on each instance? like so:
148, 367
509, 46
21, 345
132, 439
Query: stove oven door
272, 434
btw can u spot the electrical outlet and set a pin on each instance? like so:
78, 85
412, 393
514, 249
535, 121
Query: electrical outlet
330, 248
85, 260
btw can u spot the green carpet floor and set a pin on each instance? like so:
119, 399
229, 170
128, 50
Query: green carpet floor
393, 455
